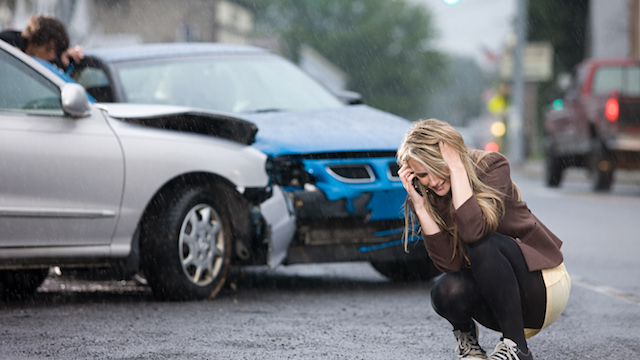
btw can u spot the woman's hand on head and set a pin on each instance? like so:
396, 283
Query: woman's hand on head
451, 156
460, 186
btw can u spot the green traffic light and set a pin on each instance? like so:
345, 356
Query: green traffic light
557, 104
451, 2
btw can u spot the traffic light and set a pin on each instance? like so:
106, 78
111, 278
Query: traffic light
558, 104
492, 146
498, 129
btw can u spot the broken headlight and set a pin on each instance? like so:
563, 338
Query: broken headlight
288, 172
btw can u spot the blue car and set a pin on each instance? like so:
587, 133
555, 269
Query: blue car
334, 156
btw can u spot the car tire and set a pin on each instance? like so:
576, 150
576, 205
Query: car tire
186, 244
601, 166
401, 270
20, 284
554, 166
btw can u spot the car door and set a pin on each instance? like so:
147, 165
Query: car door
61, 178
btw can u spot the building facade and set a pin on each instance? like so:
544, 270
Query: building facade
614, 29
99, 23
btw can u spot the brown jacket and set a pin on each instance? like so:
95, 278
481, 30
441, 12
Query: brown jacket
540, 247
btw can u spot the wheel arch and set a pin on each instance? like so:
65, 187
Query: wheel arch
237, 206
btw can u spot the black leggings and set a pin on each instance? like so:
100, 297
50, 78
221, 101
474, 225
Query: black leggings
498, 291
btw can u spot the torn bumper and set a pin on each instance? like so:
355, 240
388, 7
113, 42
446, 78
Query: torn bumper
279, 217
369, 206
348, 207
330, 232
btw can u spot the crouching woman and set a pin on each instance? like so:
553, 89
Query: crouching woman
503, 268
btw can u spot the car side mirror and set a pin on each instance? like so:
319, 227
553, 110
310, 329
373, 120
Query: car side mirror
74, 100
350, 97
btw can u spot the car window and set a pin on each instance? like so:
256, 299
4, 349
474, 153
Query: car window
96, 82
92, 77
624, 79
22, 89
224, 83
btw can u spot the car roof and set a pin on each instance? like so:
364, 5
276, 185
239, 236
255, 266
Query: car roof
611, 62
160, 50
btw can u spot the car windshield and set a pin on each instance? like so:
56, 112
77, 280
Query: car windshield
236, 84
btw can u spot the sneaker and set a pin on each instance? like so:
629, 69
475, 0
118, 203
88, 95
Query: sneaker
468, 347
508, 350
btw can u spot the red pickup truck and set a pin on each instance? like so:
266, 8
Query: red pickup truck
596, 124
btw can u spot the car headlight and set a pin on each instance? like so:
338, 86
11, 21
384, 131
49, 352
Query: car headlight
285, 171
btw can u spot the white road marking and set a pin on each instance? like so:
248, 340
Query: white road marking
605, 290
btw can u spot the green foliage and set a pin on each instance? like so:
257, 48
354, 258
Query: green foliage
383, 45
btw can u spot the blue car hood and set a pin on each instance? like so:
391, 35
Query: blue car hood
351, 128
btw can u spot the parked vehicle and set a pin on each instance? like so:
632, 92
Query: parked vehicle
178, 192
596, 124
334, 156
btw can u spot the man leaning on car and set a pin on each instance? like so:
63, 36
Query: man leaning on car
46, 38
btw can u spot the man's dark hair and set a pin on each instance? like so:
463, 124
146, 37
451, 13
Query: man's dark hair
41, 29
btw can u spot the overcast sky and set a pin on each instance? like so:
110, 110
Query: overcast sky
470, 26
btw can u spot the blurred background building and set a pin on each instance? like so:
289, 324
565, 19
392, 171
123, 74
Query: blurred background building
96, 23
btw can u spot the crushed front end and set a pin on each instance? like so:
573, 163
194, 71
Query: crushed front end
349, 206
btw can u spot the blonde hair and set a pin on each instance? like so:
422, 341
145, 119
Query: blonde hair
421, 144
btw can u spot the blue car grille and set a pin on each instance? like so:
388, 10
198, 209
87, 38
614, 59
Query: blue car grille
352, 173
392, 172
341, 178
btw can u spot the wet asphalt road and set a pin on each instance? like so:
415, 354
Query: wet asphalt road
346, 311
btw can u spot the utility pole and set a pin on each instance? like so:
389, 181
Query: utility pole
515, 127
634, 21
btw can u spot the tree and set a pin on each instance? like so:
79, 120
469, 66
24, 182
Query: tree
383, 45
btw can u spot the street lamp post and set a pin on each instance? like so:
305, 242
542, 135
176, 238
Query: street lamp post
516, 140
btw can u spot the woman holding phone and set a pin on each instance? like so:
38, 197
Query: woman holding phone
503, 268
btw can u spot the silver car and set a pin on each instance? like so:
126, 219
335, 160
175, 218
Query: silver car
174, 191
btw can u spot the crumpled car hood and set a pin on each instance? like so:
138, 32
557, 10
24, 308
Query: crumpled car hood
350, 129
184, 119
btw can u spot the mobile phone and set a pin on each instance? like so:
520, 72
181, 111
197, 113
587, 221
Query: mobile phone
415, 186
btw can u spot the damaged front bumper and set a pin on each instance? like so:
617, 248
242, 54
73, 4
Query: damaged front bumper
349, 207
280, 222
328, 232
